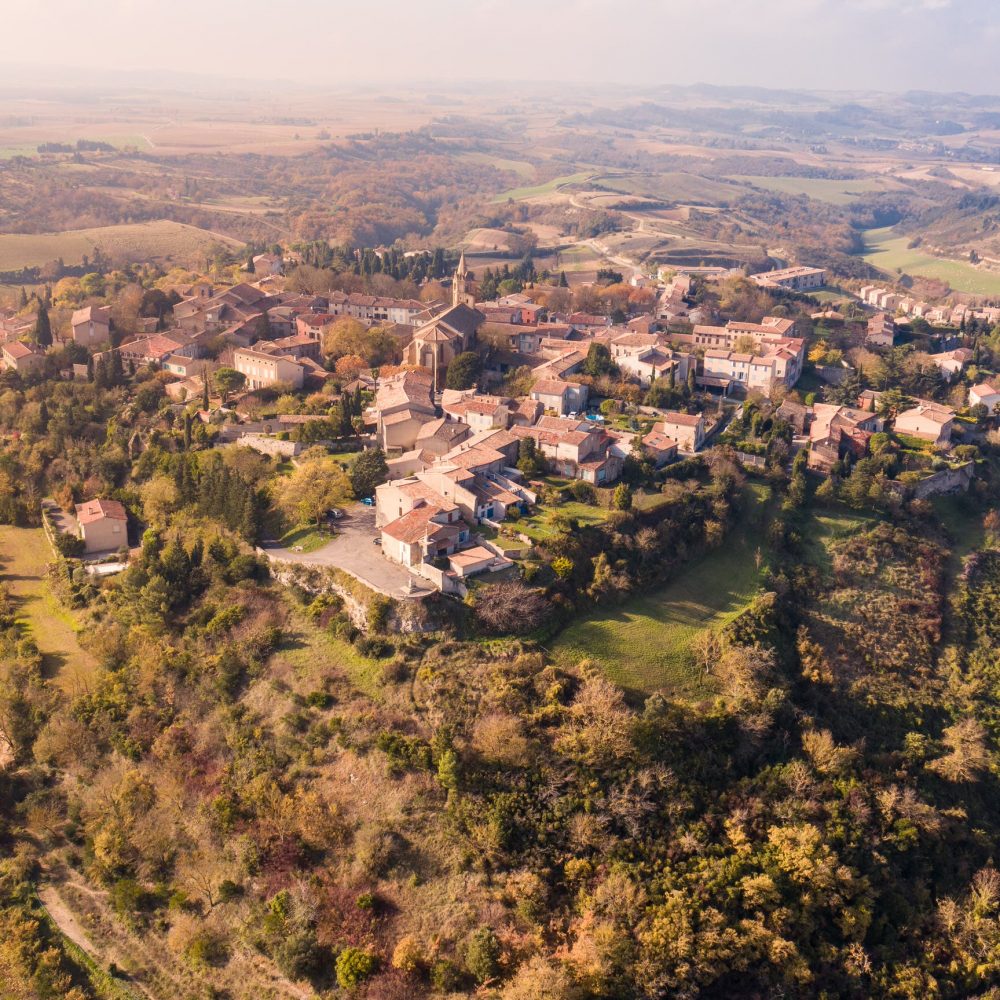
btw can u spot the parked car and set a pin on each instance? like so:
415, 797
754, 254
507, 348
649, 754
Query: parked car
377, 541
334, 514
368, 501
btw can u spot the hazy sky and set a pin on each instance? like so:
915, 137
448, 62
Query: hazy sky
838, 44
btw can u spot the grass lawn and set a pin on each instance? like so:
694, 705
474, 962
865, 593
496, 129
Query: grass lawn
644, 645
535, 190
890, 252
24, 555
305, 537
541, 524
828, 525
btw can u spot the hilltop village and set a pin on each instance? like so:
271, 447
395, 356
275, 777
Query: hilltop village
478, 416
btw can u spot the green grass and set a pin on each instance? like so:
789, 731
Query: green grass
536, 190
522, 168
833, 192
540, 525
645, 645
890, 253
24, 556
307, 537
827, 526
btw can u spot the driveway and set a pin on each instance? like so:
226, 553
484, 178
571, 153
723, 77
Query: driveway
354, 551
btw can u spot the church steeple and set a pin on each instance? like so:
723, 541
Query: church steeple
460, 285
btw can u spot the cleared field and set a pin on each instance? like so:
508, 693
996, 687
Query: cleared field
834, 192
522, 168
537, 190
890, 252
487, 239
24, 553
675, 186
161, 241
645, 645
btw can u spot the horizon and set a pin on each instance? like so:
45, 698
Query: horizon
813, 45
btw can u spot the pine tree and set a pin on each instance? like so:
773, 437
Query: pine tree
204, 390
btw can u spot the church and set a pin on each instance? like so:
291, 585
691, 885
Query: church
437, 343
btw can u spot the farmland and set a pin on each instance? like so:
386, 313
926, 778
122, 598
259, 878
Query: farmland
538, 190
163, 241
834, 192
890, 252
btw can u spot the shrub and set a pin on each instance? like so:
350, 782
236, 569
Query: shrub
482, 955
374, 647
319, 699
407, 955
445, 977
229, 890
583, 492
354, 966
206, 948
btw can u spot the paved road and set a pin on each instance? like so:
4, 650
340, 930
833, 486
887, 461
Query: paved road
354, 551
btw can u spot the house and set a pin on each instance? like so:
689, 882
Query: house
953, 363
837, 431
180, 364
91, 326
425, 532
21, 358
796, 415
794, 279
687, 429
262, 369
265, 265
641, 354
402, 406
659, 447
576, 449
985, 394
927, 421
437, 343
149, 350
559, 396
881, 331
480, 412
103, 525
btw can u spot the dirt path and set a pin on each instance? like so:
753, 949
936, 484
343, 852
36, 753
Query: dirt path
24, 556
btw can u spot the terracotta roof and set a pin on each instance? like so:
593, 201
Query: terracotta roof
682, 419
99, 510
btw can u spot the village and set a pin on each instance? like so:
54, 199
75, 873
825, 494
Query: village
487, 415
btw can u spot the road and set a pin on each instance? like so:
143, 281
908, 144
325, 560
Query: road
354, 551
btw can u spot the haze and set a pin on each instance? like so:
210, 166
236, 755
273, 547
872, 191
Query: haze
837, 44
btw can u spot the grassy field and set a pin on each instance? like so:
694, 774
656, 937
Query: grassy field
675, 186
833, 192
644, 645
891, 253
522, 168
24, 554
537, 190
541, 524
161, 241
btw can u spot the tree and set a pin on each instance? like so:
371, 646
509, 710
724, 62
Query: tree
622, 497
312, 489
510, 608
228, 380
369, 470
42, 332
464, 371
598, 361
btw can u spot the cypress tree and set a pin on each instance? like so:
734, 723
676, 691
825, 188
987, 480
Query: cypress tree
42, 334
